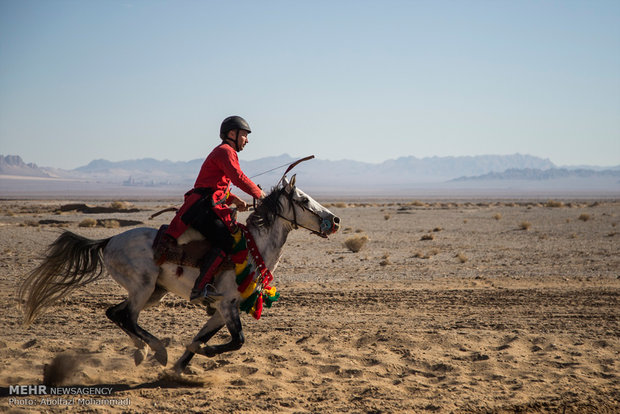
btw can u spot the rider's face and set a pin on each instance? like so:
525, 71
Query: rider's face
242, 138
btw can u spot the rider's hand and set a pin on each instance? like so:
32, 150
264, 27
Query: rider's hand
241, 205
262, 194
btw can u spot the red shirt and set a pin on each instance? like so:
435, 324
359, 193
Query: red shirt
219, 169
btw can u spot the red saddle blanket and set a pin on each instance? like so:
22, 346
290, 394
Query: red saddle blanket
167, 251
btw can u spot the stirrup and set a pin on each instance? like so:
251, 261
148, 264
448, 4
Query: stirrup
205, 296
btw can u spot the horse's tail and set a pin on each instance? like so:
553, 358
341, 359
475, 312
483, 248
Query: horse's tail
71, 262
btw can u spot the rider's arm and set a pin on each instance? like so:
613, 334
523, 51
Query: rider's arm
229, 163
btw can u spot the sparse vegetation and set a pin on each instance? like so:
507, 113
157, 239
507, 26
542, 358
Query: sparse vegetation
355, 244
385, 260
387, 217
340, 204
554, 204
88, 222
525, 225
427, 237
497, 216
584, 217
462, 258
437, 229
120, 205
110, 224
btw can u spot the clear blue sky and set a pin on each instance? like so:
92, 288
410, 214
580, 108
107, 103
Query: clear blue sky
362, 80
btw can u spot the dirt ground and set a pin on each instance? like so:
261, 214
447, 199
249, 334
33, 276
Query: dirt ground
468, 306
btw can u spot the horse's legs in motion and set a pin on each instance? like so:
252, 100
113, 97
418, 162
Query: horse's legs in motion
228, 314
125, 315
213, 325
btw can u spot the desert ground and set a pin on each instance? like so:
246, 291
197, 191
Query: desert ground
491, 306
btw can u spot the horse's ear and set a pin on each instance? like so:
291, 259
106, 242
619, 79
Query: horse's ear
292, 183
284, 181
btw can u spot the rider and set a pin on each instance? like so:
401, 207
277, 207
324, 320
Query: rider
207, 205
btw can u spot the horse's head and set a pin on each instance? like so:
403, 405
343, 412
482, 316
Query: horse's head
301, 210
289, 203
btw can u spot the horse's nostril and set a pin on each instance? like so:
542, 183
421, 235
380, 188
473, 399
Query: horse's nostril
337, 220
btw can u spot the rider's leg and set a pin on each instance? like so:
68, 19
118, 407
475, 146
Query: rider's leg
214, 229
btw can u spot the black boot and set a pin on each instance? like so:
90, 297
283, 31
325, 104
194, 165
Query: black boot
208, 294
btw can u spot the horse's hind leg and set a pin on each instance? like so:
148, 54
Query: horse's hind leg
117, 314
125, 315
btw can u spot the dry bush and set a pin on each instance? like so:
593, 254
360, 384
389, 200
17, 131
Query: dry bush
417, 203
31, 223
462, 258
340, 204
427, 237
111, 224
554, 204
88, 222
387, 217
437, 229
386, 260
573, 236
497, 216
119, 205
525, 225
465, 221
355, 244
584, 217
359, 231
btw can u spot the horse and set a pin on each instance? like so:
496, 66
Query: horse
73, 261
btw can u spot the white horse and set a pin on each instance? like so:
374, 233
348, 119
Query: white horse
74, 261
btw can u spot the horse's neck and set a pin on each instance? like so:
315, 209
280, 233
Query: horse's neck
270, 241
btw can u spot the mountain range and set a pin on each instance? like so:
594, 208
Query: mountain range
331, 175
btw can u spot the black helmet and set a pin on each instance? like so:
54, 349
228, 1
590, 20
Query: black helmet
231, 123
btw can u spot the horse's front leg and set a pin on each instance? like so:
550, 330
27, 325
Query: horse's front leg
229, 310
213, 325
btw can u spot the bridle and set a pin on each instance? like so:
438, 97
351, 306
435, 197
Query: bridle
294, 222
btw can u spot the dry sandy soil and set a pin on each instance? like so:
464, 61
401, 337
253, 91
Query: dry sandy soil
481, 306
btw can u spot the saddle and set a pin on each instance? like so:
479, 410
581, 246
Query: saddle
190, 254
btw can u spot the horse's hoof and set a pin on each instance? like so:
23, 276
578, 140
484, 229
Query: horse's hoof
139, 355
161, 356
207, 351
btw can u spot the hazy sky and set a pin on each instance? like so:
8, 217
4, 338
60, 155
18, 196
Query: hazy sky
362, 80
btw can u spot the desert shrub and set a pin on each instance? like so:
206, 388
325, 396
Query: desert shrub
554, 204
340, 204
427, 237
437, 229
462, 258
355, 244
88, 222
385, 260
111, 224
31, 223
497, 216
584, 217
417, 203
526, 225
119, 205
387, 217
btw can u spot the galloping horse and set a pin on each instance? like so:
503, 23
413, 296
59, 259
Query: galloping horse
74, 261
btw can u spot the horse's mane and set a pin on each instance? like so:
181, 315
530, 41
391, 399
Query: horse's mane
267, 210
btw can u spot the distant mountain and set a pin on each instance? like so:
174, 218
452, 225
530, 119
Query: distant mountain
539, 175
14, 165
337, 176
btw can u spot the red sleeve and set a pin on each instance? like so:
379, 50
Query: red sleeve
230, 165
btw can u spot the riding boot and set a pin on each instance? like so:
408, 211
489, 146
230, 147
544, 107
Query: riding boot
204, 291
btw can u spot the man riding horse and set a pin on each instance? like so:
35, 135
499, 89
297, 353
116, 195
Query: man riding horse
207, 207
